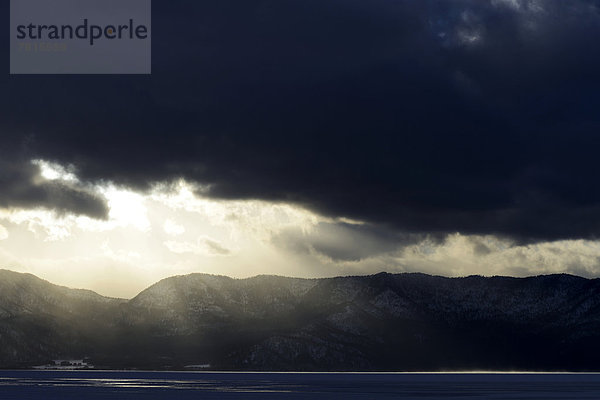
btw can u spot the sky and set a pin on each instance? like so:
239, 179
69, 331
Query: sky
313, 138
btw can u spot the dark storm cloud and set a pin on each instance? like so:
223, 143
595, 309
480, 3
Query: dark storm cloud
344, 242
426, 116
23, 187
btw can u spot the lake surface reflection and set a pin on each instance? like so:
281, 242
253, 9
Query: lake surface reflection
207, 385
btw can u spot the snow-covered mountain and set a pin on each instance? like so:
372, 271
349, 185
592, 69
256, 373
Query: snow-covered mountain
380, 322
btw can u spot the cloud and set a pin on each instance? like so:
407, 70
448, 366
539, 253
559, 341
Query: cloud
470, 116
342, 242
246, 238
172, 228
214, 247
23, 186
460, 255
3, 233
204, 246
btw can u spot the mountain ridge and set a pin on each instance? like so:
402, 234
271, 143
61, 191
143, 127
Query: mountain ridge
404, 322
383, 273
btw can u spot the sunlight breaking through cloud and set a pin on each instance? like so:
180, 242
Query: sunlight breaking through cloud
175, 229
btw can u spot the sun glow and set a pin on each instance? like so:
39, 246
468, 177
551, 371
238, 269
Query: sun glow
176, 229
126, 208
52, 171
173, 229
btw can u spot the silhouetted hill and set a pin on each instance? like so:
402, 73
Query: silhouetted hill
39, 320
380, 322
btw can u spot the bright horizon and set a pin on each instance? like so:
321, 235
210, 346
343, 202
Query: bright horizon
175, 230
